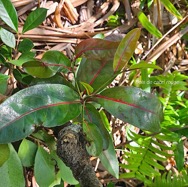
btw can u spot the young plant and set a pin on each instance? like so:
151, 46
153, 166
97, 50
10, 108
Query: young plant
51, 100
56, 101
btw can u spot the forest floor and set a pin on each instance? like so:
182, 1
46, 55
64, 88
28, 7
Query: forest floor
69, 22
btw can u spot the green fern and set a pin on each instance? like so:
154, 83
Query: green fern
169, 180
144, 157
175, 106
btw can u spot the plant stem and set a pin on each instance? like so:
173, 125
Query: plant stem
71, 148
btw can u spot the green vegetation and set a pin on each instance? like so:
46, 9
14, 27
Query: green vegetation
45, 98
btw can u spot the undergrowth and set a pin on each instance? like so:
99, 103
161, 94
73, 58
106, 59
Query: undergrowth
147, 155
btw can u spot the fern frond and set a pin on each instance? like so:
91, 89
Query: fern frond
169, 180
144, 156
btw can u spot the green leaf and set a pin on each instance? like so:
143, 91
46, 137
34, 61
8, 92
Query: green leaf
127, 175
147, 169
56, 61
66, 173
27, 152
3, 83
44, 168
94, 138
87, 87
25, 57
6, 52
179, 155
11, 172
25, 45
153, 162
34, 19
34, 106
134, 106
38, 69
126, 49
22, 77
8, 14
92, 115
57, 182
111, 184
144, 65
171, 8
8, 38
109, 160
2, 59
44, 136
105, 120
145, 84
4, 153
148, 25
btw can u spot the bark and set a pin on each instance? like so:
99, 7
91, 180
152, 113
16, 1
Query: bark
71, 148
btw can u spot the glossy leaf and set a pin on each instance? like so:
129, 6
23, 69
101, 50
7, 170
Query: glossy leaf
49, 105
134, 106
3, 83
25, 45
148, 25
4, 153
8, 14
126, 49
94, 138
27, 151
34, 19
95, 45
11, 172
96, 73
44, 168
38, 69
56, 61
8, 38
92, 115
144, 65
96, 66
109, 160
171, 8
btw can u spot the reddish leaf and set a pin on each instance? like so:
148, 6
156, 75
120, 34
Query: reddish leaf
96, 67
97, 73
94, 44
134, 106
126, 49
